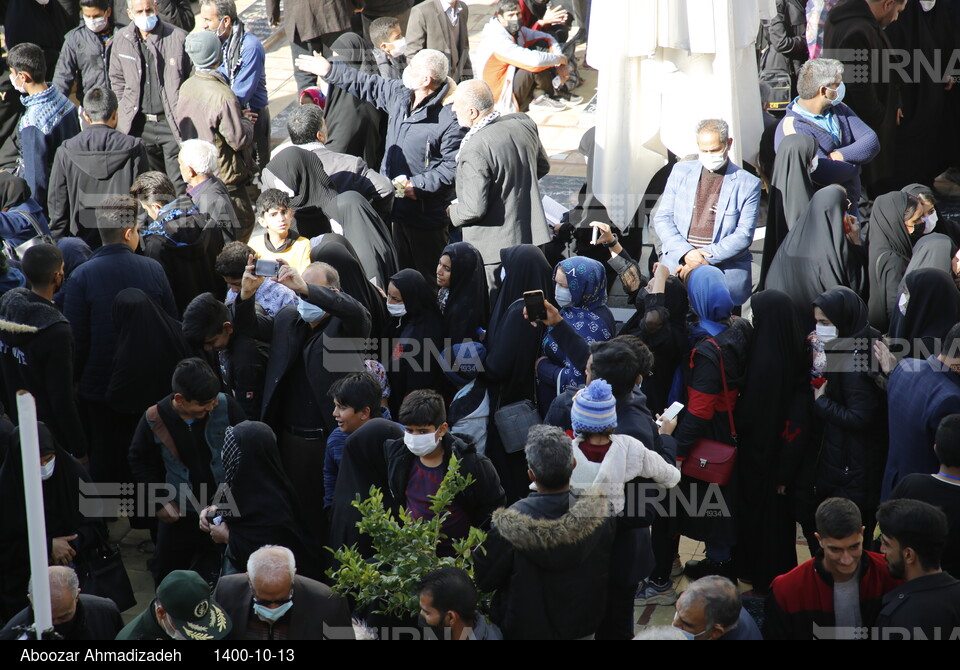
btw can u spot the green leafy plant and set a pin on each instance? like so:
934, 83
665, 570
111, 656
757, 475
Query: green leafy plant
405, 549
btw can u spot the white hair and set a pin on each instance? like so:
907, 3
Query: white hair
200, 156
271, 561
817, 73
61, 578
433, 64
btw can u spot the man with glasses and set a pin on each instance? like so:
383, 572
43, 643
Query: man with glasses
271, 602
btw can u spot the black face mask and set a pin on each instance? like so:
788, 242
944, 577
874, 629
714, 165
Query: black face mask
917, 233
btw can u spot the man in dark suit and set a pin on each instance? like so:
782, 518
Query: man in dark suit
442, 25
305, 359
270, 602
312, 25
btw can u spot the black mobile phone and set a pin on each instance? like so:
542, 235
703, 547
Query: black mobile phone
265, 268
533, 301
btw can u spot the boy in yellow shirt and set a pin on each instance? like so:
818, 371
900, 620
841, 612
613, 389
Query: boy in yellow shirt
281, 240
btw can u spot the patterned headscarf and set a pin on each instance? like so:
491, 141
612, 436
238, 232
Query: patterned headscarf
230, 455
587, 282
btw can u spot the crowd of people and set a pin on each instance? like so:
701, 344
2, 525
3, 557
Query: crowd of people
265, 335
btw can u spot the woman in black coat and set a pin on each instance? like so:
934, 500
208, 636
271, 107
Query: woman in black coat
416, 331
928, 307
818, 254
263, 506
848, 404
337, 252
772, 423
895, 217
512, 349
791, 189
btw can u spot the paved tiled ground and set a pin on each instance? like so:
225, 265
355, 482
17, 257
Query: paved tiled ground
560, 133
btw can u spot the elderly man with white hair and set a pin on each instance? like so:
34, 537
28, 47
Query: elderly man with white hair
499, 166
272, 602
710, 609
76, 616
423, 138
198, 167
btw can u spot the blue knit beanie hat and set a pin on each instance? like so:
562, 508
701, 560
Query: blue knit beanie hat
594, 408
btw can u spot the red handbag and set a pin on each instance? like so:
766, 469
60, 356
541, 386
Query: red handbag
708, 460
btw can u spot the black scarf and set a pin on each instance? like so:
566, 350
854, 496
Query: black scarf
314, 197
468, 303
816, 255
890, 248
527, 269
790, 191
265, 498
369, 235
933, 309
353, 280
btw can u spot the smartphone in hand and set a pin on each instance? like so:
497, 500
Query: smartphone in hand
533, 301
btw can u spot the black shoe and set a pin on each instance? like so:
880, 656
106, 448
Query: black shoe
697, 569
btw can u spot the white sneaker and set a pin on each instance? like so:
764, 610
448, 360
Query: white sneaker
547, 104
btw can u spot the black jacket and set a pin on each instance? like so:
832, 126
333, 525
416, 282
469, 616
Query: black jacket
96, 619
479, 500
788, 39
849, 465
178, 13
247, 369
212, 199
83, 60
330, 351
317, 613
547, 557
98, 163
187, 249
852, 35
36, 354
927, 607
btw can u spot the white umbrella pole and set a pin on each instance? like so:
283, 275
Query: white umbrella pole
36, 523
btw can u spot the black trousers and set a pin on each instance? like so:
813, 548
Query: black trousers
302, 460
162, 148
261, 138
321, 44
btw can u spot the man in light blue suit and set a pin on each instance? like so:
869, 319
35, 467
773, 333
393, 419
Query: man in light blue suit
708, 212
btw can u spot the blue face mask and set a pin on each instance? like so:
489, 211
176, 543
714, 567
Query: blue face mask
310, 312
563, 296
841, 91
272, 615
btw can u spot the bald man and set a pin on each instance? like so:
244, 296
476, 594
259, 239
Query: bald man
312, 347
500, 163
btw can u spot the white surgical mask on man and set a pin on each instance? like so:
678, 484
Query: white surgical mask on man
927, 5
713, 162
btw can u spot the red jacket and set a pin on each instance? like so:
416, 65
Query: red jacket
802, 600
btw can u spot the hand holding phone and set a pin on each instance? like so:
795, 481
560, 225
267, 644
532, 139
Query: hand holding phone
670, 413
266, 268
533, 301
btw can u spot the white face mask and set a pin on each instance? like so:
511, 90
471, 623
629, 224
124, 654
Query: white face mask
927, 5
713, 162
420, 445
563, 296
146, 23
397, 48
904, 301
22, 90
396, 310
826, 333
930, 222
814, 164
46, 471
409, 79
96, 24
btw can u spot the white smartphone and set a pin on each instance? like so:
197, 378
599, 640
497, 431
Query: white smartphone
596, 235
670, 413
